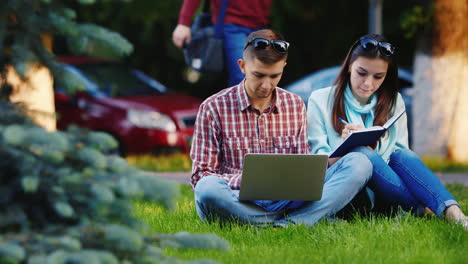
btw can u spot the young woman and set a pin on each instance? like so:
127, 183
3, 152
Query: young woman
365, 94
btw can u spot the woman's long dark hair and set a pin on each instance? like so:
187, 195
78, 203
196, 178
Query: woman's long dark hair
387, 93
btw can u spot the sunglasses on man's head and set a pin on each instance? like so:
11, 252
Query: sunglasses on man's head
385, 48
279, 46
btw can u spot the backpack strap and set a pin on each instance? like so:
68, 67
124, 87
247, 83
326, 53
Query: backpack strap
222, 13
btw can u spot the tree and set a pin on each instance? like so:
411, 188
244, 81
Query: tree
64, 198
26, 30
441, 82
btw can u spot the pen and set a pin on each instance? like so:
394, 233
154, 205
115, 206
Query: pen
343, 121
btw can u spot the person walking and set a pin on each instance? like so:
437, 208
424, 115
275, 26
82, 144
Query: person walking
242, 18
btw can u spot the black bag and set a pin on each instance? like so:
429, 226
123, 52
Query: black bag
205, 53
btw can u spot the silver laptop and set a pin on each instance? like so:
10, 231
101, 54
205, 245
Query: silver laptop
295, 177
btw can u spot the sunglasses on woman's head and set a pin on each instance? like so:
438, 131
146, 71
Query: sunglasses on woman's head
385, 48
279, 46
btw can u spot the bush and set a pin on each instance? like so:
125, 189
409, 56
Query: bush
64, 199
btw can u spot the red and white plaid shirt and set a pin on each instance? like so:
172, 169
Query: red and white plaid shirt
228, 127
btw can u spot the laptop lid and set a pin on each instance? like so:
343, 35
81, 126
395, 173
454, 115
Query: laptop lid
294, 177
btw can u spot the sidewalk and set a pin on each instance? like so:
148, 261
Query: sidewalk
184, 177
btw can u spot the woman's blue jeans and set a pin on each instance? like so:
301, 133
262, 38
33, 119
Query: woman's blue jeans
406, 182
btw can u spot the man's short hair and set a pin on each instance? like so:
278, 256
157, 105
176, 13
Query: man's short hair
267, 55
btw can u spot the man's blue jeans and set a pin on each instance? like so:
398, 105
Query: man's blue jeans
406, 182
234, 41
215, 200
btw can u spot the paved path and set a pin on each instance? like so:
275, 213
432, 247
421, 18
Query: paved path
184, 177
181, 177
453, 178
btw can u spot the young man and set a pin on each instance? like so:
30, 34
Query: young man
256, 116
242, 18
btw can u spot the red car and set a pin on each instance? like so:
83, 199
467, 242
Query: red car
141, 113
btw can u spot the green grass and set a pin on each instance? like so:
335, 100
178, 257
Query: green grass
445, 165
404, 239
173, 162
182, 162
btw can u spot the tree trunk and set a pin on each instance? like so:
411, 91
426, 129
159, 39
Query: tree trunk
36, 93
440, 107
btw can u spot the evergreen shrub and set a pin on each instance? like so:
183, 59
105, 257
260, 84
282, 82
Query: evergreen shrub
64, 199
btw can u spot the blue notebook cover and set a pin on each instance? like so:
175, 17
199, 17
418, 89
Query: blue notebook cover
364, 137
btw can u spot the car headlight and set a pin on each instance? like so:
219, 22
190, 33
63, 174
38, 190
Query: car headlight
151, 120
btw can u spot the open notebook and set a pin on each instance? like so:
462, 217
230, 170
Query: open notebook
364, 137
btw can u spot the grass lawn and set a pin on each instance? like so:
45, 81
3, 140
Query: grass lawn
182, 162
404, 239
172, 162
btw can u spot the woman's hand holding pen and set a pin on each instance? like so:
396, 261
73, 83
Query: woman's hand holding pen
348, 128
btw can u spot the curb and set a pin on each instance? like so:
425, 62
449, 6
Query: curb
179, 177
447, 178
184, 177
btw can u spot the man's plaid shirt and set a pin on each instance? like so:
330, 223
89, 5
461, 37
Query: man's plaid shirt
228, 127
